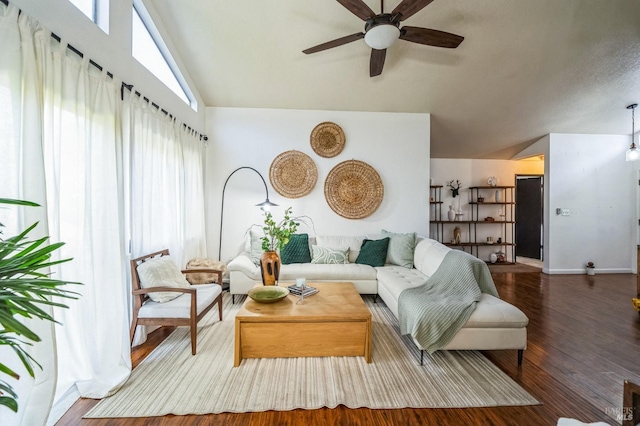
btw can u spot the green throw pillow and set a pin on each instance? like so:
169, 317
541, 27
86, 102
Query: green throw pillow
328, 255
373, 252
401, 247
296, 250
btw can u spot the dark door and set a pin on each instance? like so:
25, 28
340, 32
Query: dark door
529, 216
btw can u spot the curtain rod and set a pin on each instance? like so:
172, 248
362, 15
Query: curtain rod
124, 85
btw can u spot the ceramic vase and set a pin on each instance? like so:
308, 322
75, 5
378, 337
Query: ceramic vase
493, 258
270, 267
451, 214
457, 234
498, 195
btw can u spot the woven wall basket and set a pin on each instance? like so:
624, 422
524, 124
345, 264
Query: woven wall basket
353, 189
293, 174
327, 139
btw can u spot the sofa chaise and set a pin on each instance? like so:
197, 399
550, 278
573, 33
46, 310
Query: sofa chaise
494, 324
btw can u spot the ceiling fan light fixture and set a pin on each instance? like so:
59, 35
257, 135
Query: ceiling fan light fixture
382, 36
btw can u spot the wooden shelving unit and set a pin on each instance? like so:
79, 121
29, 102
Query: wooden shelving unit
504, 206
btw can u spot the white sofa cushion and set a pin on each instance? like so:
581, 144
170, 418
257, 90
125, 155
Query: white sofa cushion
342, 242
327, 272
492, 312
428, 255
310, 271
161, 272
398, 278
180, 307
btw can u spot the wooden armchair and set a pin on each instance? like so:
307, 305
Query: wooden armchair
185, 310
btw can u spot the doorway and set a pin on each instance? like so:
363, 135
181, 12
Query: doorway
529, 208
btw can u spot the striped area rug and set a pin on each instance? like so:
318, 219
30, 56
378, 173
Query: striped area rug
172, 381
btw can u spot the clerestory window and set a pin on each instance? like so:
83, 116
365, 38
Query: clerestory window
96, 10
150, 50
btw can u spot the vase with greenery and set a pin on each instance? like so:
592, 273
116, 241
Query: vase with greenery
24, 288
276, 236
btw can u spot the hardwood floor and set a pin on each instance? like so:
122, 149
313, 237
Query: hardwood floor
584, 340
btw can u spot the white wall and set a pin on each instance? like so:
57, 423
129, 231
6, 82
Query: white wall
588, 174
113, 50
472, 172
395, 145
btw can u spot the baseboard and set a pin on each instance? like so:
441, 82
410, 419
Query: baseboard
581, 271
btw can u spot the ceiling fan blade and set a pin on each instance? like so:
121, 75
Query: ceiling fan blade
358, 8
408, 8
334, 43
430, 37
377, 61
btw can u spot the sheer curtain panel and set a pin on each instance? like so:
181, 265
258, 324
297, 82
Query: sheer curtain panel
81, 138
22, 177
166, 178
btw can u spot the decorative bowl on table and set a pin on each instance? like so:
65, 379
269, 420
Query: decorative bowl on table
268, 293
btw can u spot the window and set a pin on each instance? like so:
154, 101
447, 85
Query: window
149, 49
96, 10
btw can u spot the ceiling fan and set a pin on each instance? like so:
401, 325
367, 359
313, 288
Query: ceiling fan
383, 29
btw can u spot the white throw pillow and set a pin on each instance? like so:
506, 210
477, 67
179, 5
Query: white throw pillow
161, 272
326, 255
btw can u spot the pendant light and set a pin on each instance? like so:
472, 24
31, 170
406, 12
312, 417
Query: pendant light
633, 153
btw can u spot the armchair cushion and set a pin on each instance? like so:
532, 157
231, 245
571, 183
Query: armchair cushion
180, 306
161, 272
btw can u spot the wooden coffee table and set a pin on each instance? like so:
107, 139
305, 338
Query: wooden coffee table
332, 322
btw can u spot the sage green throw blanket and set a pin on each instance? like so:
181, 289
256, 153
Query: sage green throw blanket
434, 312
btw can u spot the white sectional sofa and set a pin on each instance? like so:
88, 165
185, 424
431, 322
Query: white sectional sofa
494, 324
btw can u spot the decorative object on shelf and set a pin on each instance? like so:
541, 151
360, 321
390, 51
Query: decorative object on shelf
459, 214
454, 186
457, 234
270, 294
353, 189
489, 219
499, 240
431, 199
451, 214
293, 174
498, 196
492, 181
493, 257
501, 257
276, 236
489, 240
591, 268
633, 153
481, 199
327, 139
265, 205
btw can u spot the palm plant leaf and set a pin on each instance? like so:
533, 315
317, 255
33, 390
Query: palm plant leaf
25, 287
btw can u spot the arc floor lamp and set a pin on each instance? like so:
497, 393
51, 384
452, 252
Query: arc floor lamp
265, 205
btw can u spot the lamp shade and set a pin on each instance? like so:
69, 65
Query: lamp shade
633, 153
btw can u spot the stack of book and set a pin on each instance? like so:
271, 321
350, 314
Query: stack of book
297, 291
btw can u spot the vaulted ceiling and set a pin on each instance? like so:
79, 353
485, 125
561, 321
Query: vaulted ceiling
526, 68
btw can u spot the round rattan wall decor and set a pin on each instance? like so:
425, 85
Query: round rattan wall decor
327, 139
293, 174
353, 189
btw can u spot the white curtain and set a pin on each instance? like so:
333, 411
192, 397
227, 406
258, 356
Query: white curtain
22, 177
81, 139
166, 181
107, 173
167, 196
